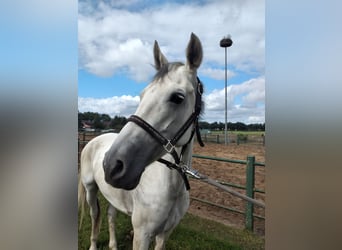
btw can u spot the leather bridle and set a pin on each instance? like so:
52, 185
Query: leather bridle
170, 144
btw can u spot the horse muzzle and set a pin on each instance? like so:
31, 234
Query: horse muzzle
118, 175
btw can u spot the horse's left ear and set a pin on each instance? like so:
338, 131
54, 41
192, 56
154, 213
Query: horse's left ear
194, 52
159, 58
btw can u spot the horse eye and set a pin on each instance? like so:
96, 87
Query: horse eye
177, 98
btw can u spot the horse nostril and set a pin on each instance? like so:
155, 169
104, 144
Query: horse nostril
118, 168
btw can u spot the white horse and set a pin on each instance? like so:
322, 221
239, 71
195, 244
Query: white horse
129, 167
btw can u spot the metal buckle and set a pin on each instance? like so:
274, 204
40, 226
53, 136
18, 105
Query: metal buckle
194, 173
169, 147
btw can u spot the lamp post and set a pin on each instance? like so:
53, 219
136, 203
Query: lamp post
224, 43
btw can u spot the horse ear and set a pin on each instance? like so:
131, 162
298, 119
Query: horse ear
159, 58
194, 52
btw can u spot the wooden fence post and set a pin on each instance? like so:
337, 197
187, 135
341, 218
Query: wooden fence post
250, 170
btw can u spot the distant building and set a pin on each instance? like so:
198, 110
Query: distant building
87, 126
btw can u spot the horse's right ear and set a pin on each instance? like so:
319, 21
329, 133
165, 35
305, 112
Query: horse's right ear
159, 58
194, 52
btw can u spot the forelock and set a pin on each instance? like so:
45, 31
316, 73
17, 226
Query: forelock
166, 68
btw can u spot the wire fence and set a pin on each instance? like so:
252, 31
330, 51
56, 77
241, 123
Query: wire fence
258, 139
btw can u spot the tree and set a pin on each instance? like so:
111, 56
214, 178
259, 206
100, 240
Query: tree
204, 125
98, 123
118, 122
80, 119
105, 117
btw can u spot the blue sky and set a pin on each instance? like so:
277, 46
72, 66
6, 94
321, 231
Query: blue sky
116, 58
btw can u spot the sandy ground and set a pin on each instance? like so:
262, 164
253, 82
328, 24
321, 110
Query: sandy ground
227, 172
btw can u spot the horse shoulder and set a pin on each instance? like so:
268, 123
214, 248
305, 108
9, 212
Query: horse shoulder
119, 198
97, 147
92, 153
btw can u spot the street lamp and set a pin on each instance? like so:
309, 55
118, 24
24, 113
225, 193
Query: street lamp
224, 43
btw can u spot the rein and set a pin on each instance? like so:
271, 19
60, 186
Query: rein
170, 144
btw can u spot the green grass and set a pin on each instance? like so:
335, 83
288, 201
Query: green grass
192, 233
196, 233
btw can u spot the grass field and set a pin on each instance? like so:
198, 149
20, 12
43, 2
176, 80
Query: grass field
192, 233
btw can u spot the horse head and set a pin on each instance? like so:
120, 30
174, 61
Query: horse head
165, 106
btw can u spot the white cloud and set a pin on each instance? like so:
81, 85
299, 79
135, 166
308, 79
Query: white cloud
245, 103
113, 40
117, 105
217, 74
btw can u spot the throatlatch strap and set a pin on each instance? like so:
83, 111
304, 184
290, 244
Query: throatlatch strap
198, 135
184, 128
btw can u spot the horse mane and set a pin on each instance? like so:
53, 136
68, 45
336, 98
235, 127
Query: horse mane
202, 104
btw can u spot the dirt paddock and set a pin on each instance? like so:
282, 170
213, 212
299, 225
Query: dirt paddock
227, 172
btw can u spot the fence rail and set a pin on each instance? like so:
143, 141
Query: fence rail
250, 163
250, 187
234, 138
